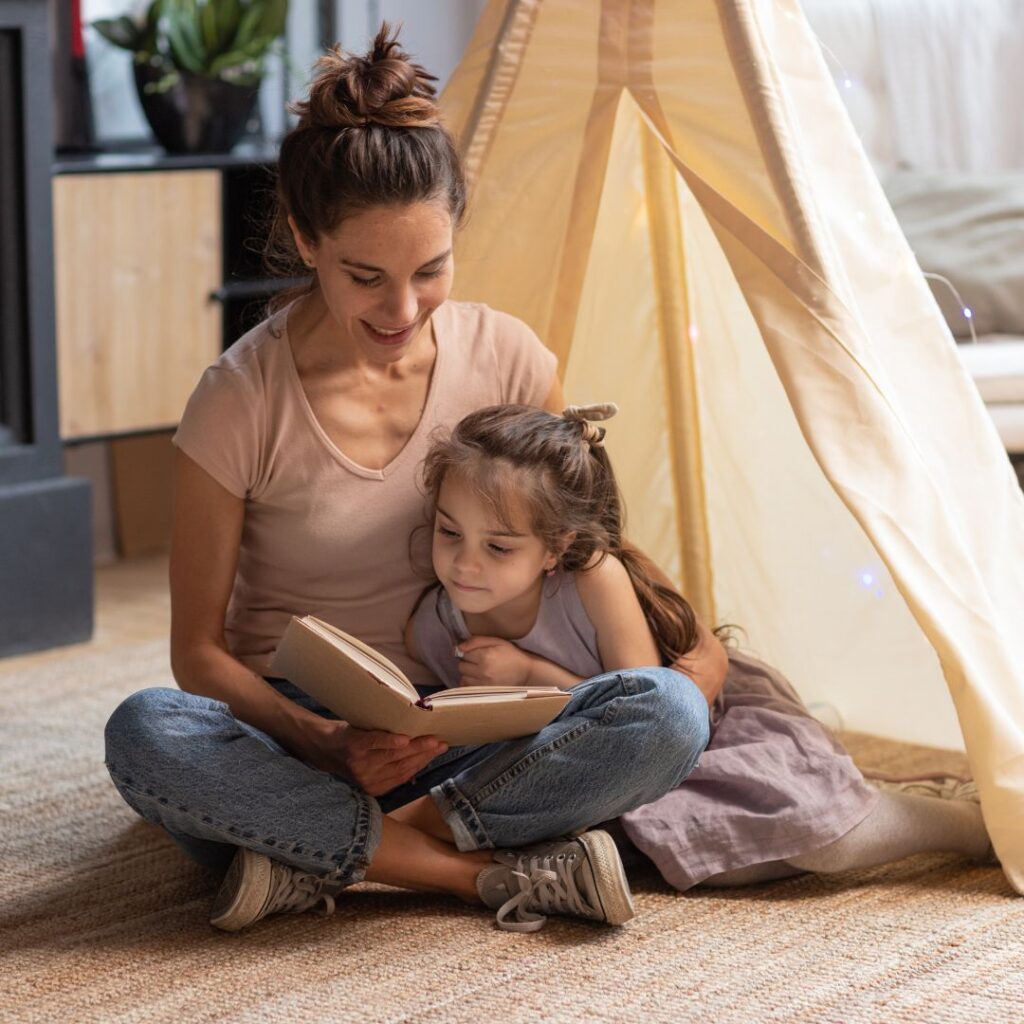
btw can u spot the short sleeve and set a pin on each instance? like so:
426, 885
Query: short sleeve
220, 429
526, 366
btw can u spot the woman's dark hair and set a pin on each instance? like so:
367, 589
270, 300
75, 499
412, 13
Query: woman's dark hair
368, 135
517, 457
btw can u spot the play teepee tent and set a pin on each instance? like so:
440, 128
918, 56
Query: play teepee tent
670, 193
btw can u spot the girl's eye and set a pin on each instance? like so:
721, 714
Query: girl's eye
366, 282
431, 273
499, 550
445, 532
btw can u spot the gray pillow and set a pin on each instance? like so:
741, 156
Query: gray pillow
968, 227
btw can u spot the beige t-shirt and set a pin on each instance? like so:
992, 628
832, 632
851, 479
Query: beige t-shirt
323, 535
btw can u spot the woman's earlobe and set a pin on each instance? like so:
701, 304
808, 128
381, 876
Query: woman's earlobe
302, 244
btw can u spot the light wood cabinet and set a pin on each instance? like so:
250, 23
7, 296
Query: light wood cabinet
137, 256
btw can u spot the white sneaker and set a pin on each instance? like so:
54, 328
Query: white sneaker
256, 886
580, 877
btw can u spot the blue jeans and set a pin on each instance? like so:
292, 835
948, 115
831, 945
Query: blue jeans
214, 783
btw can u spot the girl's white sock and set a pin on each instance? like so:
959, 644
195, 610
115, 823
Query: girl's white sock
900, 825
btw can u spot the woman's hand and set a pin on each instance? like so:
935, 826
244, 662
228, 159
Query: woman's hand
375, 761
491, 661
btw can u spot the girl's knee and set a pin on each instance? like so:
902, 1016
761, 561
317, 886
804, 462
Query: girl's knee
678, 726
682, 709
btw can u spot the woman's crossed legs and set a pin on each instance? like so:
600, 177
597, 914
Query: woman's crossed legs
216, 784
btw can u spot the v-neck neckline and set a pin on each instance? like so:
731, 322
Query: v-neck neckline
428, 406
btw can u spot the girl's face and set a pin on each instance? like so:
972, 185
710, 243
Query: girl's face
483, 563
382, 273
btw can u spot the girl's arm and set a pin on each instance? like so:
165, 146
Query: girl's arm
492, 661
624, 640
707, 664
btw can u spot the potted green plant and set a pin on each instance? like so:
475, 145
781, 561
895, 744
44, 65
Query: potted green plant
198, 66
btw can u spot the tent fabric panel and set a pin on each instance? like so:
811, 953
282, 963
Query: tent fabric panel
791, 567
615, 355
531, 169
927, 523
824, 296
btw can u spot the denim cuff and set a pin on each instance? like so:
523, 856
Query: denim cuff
369, 822
467, 829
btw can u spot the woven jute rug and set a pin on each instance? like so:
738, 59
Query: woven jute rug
104, 920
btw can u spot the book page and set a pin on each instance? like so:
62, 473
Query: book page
364, 656
473, 694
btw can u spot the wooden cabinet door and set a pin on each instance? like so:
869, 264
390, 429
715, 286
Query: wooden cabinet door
137, 255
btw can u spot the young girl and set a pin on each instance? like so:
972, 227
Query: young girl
537, 587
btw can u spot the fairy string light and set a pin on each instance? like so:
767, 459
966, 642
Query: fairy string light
848, 84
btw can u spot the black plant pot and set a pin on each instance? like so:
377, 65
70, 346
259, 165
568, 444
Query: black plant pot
196, 114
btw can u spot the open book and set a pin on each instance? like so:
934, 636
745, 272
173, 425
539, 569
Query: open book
364, 688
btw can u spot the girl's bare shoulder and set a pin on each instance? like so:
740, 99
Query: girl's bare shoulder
603, 578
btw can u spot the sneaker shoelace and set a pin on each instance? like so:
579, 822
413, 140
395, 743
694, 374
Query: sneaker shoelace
296, 891
547, 884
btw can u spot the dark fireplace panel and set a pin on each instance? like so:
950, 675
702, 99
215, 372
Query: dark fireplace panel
45, 528
14, 393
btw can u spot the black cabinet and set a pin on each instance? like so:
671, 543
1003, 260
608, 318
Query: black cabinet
45, 531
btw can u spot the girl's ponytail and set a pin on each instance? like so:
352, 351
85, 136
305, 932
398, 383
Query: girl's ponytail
669, 615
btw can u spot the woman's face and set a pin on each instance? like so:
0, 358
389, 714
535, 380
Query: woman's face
382, 273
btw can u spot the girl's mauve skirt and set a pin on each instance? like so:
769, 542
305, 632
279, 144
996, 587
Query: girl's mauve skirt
773, 783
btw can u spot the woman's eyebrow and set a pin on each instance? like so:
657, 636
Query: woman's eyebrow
380, 270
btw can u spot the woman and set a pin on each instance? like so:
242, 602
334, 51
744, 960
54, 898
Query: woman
296, 491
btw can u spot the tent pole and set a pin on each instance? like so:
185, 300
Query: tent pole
682, 402
506, 58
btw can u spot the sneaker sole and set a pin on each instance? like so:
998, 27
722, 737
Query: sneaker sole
609, 876
243, 893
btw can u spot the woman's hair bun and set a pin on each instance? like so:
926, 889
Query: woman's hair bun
384, 87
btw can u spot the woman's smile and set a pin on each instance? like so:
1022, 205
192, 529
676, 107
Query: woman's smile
390, 336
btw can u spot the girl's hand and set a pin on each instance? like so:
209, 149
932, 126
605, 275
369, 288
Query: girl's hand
491, 661
375, 761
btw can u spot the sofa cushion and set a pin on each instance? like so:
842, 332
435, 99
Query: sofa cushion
996, 364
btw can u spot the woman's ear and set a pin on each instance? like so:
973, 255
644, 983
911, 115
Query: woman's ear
307, 250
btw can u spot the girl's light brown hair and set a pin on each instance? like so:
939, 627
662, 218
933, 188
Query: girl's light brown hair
368, 135
519, 458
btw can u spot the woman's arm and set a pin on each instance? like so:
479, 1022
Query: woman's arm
708, 663
204, 555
